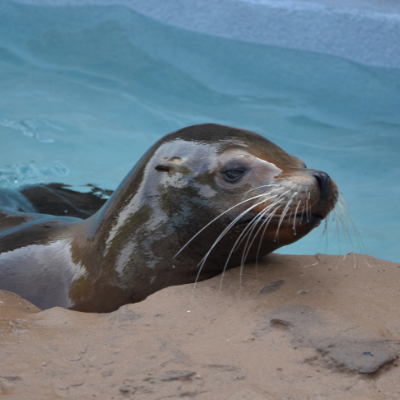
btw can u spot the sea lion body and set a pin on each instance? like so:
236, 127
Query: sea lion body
212, 195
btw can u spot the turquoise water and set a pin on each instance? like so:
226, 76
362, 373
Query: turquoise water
85, 91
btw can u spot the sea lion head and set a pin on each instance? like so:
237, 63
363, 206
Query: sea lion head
232, 191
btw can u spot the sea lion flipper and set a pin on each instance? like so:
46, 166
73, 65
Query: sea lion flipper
58, 199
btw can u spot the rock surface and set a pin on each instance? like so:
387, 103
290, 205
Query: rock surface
295, 328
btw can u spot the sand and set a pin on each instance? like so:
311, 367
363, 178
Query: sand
294, 328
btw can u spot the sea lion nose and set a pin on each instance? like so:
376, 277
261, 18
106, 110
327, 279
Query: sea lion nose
324, 182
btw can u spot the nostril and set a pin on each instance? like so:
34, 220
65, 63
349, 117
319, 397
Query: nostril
324, 182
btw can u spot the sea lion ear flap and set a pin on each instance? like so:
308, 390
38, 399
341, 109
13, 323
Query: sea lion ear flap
169, 165
163, 168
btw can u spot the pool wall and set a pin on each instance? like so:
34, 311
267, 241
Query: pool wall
366, 31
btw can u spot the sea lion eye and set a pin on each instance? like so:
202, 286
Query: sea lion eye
233, 175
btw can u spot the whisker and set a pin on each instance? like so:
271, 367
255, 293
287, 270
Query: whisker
302, 214
284, 212
295, 214
204, 259
263, 186
343, 199
248, 234
239, 241
206, 226
253, 224
345, 230
266, 223
357, 234
325, 232
290, 216
337, 230
249, 229
273, 204
247, 246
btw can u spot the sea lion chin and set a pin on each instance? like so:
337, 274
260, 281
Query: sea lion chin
202, 199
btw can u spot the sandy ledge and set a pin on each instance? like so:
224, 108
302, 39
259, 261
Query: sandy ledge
293, 330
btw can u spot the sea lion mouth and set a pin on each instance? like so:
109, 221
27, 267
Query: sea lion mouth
303, 219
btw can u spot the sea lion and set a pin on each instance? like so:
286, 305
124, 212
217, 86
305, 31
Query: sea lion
202, 199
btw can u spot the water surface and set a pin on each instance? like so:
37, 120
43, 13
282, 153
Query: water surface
85, 91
